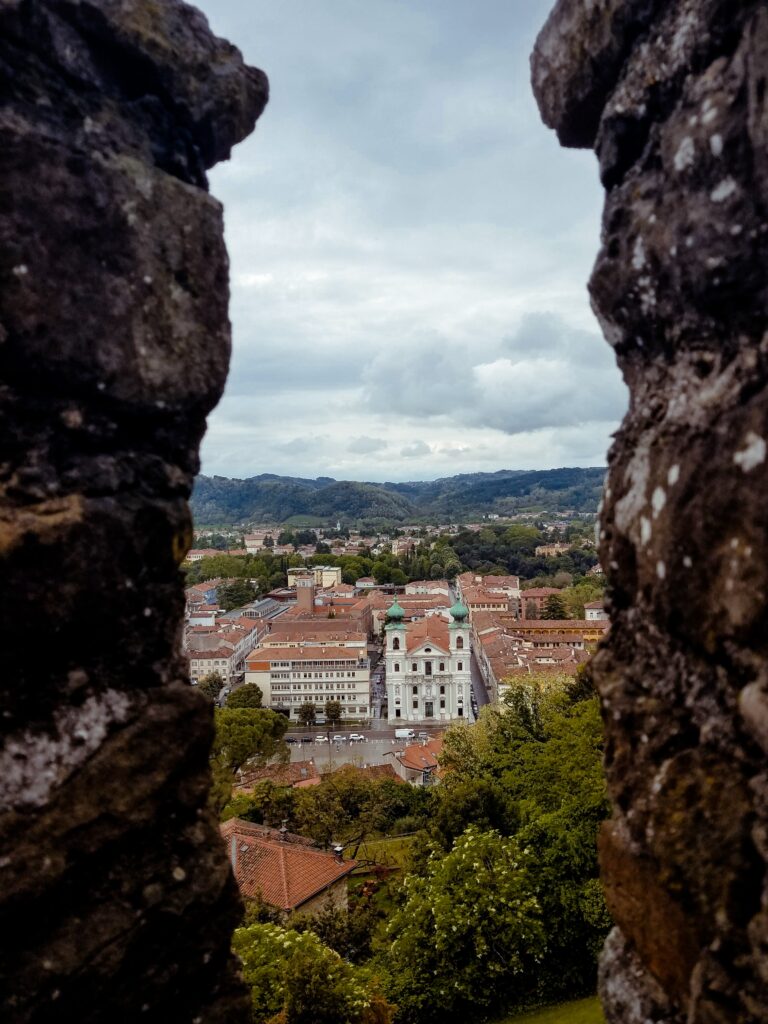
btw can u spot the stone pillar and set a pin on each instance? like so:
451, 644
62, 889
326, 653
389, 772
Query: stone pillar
672, 96
116, 898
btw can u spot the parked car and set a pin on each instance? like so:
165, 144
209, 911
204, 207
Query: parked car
338, 738
291, 739
423, 735
356, 737
321, 739
306, 739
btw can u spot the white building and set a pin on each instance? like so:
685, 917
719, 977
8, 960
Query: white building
594, 611
441, 587
325, 575
428, 667
291, 676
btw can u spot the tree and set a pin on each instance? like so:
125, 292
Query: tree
468, 935
244, 734
248, 696
268, 542
582, 593
382, 571
307, 713
333, 712
210, 685
235, 594
543, 746
554, 608
295, 976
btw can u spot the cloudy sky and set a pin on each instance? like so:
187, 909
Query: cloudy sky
410, 249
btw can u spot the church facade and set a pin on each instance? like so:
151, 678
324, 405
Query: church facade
427, 668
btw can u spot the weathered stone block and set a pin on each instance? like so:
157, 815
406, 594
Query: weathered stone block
116, 899
672, 96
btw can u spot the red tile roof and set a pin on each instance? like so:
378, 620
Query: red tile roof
421, 756
432, 629
265, 655
283, 874
279, 774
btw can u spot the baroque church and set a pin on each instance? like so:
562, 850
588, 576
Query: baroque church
428, 667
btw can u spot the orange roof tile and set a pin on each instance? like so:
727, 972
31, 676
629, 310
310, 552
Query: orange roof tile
422, 756
285, 875
432, 628
268, 654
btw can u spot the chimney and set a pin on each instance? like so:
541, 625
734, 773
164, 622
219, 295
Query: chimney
338, 852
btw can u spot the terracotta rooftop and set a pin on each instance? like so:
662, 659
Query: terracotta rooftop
285, 875
307, 634
432, 628
421, 756
278, 774
264, 655
482, 594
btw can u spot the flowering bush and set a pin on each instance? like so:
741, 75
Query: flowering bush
468, 933
294, 976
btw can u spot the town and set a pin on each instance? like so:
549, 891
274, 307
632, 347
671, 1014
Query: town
379, 659
424, 652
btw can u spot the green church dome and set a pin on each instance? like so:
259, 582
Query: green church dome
459, 612
395, 613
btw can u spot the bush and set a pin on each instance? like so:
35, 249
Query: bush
296, 976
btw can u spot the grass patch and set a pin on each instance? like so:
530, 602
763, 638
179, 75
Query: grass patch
390, 853
582, 1011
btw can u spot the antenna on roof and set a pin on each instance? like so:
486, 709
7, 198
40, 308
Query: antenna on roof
283, 829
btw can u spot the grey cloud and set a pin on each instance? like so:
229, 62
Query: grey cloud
412, 451
546, 374
364, 445
302, 445
425, 378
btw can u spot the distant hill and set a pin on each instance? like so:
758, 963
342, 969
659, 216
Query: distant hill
217, 500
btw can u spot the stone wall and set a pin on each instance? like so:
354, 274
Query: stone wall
672, 96
116, 898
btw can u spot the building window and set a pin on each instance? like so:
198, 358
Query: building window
415, 705
427, 650
414, 689
442, 704
459, 643
442, 690
397, 712
396, 644
397, 666
428, 668
442, 666
460, 666
414, 667
461, 712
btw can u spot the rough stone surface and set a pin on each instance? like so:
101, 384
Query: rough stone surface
673, 98
116, 899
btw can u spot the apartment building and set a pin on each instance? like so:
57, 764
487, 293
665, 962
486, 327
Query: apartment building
291, 676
